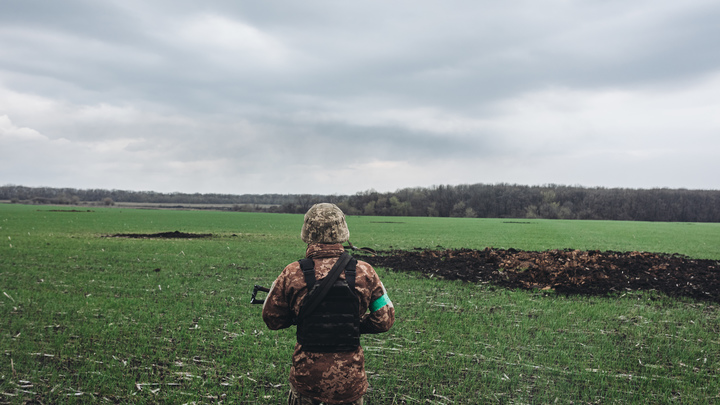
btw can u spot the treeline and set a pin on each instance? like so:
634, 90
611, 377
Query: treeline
472, 201
49, 195
549, 201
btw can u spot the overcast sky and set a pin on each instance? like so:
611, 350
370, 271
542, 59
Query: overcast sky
338, 97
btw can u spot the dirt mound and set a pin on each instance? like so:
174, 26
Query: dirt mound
565, 271
163, 235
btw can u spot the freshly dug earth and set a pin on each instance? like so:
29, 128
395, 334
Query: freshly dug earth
565, 271
163, 235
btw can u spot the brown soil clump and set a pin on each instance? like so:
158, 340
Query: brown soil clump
565, 271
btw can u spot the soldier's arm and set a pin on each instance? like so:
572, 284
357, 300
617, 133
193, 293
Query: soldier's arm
276, 312
381, 314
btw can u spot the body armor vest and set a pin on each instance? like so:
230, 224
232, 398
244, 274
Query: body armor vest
334, 325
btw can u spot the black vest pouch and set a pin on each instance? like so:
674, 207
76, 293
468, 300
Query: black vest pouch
334, 325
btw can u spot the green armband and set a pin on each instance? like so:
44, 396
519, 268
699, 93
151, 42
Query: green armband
379, 303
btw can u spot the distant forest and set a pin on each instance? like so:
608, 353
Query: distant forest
473, 201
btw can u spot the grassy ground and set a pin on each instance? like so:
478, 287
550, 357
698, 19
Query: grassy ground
89, 319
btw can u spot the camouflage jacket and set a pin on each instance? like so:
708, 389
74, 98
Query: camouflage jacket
328, 377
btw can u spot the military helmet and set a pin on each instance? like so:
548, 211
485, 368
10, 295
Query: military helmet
324, 223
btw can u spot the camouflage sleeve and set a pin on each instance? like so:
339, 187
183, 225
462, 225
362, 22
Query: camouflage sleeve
277, 312
381, 314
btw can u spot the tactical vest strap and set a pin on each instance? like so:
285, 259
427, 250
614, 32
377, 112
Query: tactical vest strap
308, 268
350, 273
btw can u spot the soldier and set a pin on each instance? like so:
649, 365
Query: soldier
328, 365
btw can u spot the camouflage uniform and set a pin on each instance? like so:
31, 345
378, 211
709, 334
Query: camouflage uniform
294, 398
332, 378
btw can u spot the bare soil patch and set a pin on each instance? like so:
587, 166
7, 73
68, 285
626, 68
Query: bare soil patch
565, 271
163, 235
67, 210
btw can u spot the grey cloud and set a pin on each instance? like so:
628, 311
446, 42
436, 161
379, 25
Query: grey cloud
296, 79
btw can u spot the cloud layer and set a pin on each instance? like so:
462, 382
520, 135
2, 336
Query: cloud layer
339, 97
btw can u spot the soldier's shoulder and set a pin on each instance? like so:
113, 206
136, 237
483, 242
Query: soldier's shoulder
363, 266
293, 267
292, 270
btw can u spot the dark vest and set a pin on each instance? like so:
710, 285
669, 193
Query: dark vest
334, 326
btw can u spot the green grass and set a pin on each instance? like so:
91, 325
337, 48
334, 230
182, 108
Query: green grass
699, 240
89, 319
